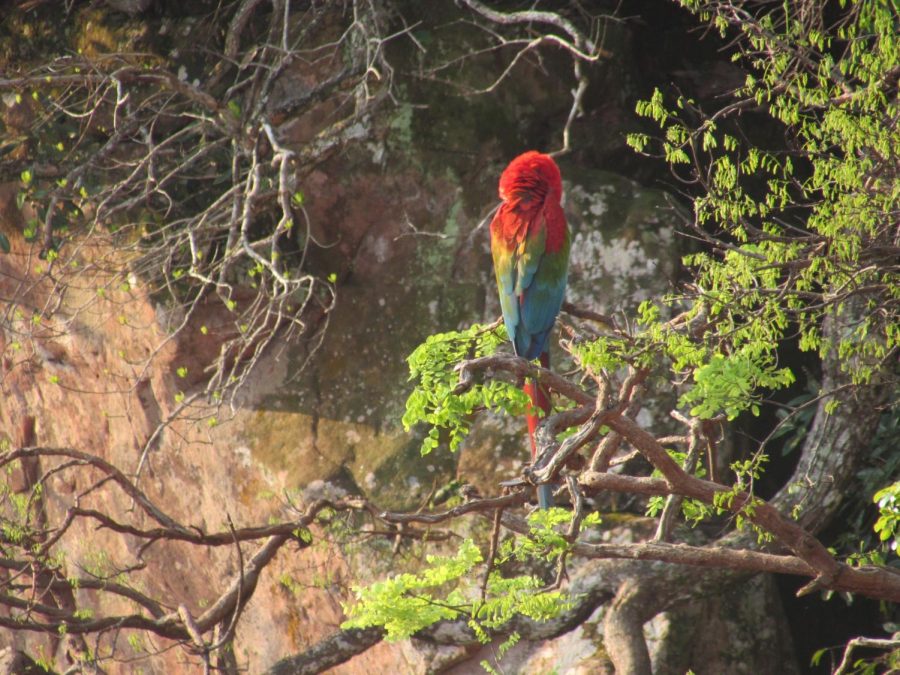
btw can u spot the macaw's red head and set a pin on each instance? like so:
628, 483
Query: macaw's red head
531, 175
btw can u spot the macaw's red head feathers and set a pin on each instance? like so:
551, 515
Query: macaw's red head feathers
532, 175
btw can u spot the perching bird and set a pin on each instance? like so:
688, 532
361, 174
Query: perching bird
530, 246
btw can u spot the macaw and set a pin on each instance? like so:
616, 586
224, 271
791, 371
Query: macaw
530, 246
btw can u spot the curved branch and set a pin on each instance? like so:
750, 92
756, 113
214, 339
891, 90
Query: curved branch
536, 16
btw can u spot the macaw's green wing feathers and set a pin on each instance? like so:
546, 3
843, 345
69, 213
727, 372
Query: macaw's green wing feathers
506, 270
529, 253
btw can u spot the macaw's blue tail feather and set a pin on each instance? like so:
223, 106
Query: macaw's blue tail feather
545, 496
540, 400
531, 345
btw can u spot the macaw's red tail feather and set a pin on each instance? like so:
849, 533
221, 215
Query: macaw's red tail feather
540, 400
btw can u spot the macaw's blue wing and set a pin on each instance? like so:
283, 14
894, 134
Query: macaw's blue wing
531, 281
539, 305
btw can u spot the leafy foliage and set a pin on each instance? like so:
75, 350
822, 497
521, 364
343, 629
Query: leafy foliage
887, 527
803, 237
544, 540
446, 590
799, 241
406, 603
730, 385
433, 400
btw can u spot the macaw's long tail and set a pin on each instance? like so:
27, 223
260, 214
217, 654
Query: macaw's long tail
540, 400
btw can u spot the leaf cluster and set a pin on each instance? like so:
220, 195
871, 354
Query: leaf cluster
434, 401
446, 590
799, 235
887, 527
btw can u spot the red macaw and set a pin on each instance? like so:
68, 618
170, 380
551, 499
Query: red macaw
530, 246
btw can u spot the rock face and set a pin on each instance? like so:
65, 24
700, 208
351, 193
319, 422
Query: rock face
396, 286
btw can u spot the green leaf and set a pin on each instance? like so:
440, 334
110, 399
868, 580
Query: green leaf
435, 402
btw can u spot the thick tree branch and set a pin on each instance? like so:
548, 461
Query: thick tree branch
330, 652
